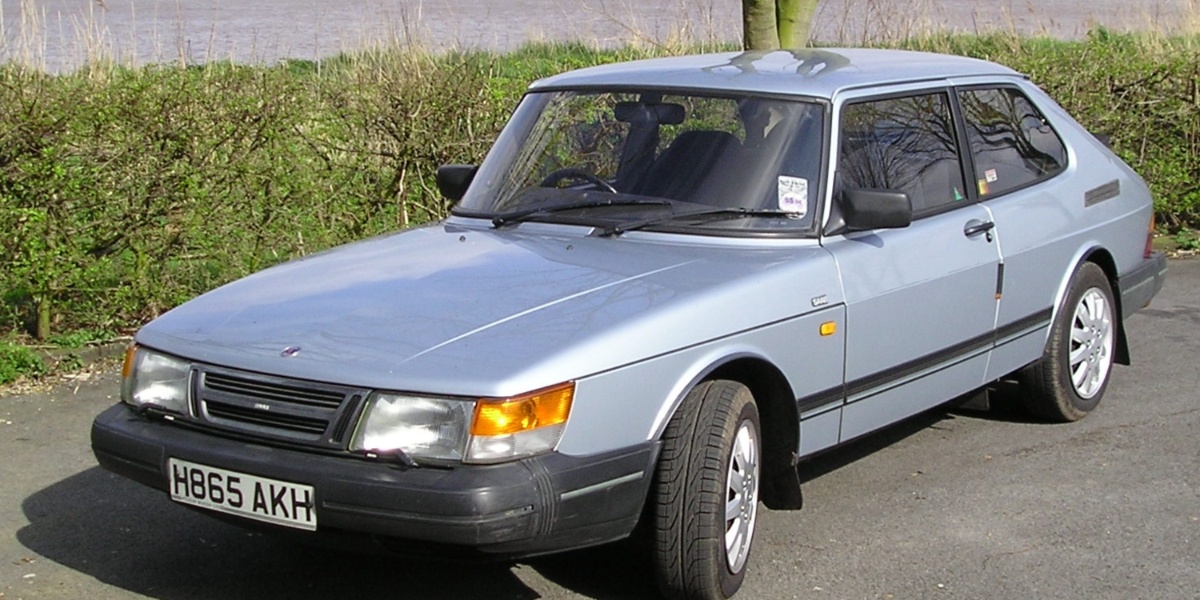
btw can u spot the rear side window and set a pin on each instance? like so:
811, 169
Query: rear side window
1012, 144
905, 144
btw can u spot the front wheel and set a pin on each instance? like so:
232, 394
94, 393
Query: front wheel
1069, 380
706, 493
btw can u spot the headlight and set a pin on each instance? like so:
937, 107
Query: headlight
150, 378
421, 427
487, 430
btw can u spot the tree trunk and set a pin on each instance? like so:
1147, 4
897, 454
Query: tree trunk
794, 19
759, 25
42, 328
774, 24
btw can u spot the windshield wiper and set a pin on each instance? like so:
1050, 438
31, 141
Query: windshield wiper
716, 214
518, 216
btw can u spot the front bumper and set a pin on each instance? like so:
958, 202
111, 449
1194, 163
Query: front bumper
536, 505
1140, 285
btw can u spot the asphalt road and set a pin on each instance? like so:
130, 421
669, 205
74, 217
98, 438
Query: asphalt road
951, 504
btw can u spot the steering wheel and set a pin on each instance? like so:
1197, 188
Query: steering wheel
559, 175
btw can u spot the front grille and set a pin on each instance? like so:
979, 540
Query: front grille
273, 391
275, 407
230, 412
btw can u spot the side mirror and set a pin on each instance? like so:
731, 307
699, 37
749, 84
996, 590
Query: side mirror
453, 180
865, 209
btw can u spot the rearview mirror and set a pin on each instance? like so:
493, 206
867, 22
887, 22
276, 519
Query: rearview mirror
865, 209
453, 180
642, 113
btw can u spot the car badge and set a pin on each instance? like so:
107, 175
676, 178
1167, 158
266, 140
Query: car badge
290, 351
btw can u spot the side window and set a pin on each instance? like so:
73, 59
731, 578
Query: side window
1011, 142
905, 144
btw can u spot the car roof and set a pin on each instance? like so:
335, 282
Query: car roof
815, 72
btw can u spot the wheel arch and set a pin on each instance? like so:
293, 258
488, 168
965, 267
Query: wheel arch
780, 422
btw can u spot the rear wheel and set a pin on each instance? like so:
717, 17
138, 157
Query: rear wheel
706, 492
1069, 380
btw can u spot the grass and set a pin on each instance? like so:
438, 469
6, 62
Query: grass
17, 360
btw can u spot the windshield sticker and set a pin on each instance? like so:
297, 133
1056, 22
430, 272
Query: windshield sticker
793, 195
990, 175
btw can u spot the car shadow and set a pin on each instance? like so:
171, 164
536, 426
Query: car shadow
133, 538
827, 462
1004, 406
616, 571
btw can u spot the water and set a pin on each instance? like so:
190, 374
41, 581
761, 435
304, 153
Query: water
61, 34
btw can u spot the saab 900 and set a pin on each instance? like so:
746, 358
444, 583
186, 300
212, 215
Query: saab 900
669, 282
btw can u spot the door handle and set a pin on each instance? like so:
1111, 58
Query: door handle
975, 227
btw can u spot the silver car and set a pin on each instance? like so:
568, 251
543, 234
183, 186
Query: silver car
669, 283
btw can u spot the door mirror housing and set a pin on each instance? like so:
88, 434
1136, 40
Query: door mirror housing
865, 209
453, 180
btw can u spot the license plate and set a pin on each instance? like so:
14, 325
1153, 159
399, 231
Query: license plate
270, 500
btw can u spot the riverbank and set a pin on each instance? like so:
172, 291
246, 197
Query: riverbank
62, 35
126, 191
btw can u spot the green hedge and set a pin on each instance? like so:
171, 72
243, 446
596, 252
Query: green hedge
124, 191
1141, 90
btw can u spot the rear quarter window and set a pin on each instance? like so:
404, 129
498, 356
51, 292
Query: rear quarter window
1012, 144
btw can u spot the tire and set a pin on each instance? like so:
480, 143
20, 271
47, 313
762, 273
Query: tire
710, 463
1070, 378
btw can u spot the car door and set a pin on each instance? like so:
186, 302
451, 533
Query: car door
1016, 155
920, 300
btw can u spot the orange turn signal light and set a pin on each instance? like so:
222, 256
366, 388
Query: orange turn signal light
506, 416
130, 354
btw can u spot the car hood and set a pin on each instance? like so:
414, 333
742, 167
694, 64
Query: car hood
458, 310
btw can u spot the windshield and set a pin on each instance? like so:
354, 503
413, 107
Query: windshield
667, 161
